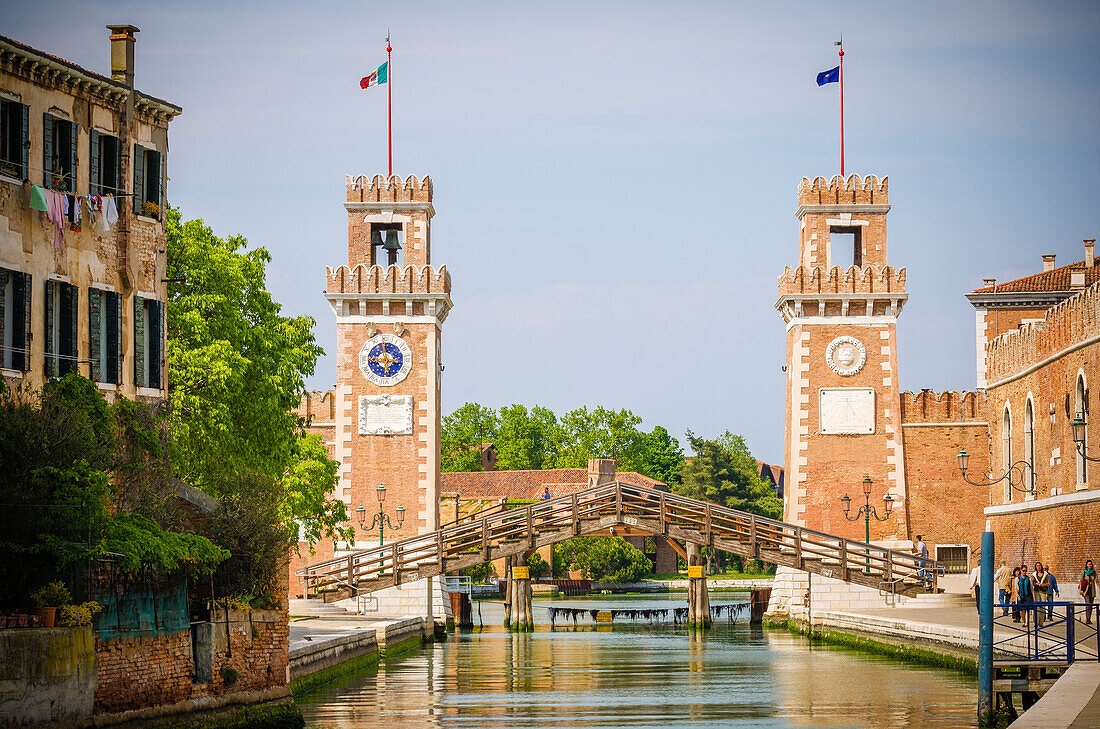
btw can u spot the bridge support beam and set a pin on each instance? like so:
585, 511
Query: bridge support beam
698, 598
521, 612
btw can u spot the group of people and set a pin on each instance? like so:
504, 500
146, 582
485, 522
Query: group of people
1020, 588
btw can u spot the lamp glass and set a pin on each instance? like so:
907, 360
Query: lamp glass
381, 491
400, 514
846, 500
964, 460
361, 514
867, 485
1078, 425
889, 501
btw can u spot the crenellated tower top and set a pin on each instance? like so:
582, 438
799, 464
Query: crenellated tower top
850, 212
389, 220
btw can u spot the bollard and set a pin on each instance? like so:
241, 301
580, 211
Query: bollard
985, 633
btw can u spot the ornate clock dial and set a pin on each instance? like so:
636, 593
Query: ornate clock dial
385, 359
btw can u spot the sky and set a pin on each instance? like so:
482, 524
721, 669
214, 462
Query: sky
615, 182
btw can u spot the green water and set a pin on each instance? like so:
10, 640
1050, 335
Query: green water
639, 675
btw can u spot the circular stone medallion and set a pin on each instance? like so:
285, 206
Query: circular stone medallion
846, 355
385, 359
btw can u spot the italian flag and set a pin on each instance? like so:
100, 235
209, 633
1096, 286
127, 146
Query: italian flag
378, 76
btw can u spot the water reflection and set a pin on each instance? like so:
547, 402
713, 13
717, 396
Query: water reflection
646, 676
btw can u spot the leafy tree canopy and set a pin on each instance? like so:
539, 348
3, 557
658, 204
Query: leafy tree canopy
609, 559
236, 368
724, 472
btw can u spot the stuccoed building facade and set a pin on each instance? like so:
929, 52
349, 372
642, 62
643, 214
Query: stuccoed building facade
83, 163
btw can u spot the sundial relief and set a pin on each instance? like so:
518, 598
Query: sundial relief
847, 411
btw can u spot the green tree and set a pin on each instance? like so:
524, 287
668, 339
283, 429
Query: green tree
723, 472
463, 432
600, 433
526, 439
236, 368
610, 559
659, 456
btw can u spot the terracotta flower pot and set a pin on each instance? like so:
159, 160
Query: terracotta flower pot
47, 615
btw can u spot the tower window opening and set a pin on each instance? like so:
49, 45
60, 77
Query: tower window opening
839, 236
386, 244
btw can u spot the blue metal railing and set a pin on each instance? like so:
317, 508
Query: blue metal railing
1052, 632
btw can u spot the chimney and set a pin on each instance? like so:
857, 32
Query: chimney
1089, 260
989, 282
1048, 262
600, 471
1077, 277
122, 53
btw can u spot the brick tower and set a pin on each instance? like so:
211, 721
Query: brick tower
390, 305
843, 400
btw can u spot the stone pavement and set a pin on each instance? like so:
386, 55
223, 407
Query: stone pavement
1073, 703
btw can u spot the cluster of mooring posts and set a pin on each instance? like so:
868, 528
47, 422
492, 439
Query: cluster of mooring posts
650, 615
517, 599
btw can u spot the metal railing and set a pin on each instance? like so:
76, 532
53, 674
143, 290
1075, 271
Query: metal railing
1044, 632
515, 531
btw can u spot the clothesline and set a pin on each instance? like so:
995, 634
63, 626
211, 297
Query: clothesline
59, 209
117, 191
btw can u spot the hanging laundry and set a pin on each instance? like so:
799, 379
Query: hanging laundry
110, 212
38, 198
74, 212
55, 204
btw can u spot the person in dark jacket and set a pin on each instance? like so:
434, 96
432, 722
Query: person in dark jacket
1025, 596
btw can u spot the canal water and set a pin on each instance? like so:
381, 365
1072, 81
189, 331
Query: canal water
641, 676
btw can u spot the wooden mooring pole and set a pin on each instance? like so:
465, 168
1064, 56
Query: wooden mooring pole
522, 618
698, 599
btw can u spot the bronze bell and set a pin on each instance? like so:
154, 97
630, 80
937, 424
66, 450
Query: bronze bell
392, 243
375, 238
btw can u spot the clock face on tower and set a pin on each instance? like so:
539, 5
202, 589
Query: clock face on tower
385, 359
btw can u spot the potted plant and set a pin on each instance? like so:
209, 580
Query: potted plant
48, 599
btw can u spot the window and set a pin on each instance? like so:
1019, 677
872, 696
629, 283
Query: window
842, 236
105, 164
148, 342
1006, 449
1029, 446
60, 349
103, 335
1081, 411
385, 244
148, 182
14, 138
58, 154
15, 319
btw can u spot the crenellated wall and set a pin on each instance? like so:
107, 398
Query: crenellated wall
392, 280
317, 406
927, 406
364, 188
869, 279
854, 190
1065, 325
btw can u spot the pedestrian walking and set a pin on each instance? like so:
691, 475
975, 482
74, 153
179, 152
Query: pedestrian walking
1053, 591
976, 585
1024, 594
1087, 588
1003, 578
1040, 586
1014, 594
921, 550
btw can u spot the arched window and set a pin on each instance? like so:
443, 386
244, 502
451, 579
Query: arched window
1029, 446
1006, 448
1079, 411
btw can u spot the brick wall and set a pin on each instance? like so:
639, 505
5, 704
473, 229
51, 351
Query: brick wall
1059, 534
140, 672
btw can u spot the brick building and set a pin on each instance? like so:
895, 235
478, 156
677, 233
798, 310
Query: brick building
82, 292
381, 421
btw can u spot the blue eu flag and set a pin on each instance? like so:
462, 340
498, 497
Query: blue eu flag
828, 77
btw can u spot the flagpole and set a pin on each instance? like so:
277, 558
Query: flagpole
389, 103
841, 44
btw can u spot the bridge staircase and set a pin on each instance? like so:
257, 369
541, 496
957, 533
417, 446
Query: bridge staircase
501, 533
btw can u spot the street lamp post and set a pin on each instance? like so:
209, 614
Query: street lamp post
867, 512
1078, 425
1014, 474
380, 519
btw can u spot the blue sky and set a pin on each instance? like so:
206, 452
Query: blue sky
616, 182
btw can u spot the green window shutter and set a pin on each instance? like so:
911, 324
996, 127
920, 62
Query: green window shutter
74, 160
155, 348
95, 335
51, 360
21, 321
163, 180
67, 297
25, 141
119, 183
139, 177
5, 355
114, 354
139, 342
47, 150
93, 162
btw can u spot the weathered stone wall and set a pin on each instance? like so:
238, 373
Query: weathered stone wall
47, 675
140, 672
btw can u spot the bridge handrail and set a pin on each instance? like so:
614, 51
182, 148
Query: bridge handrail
617, 501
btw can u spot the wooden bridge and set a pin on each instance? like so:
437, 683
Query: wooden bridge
499, 533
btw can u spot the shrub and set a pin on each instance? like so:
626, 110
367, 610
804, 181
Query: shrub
54, 594
229, 675
77, 615
538, 565
478, 572
610, 559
